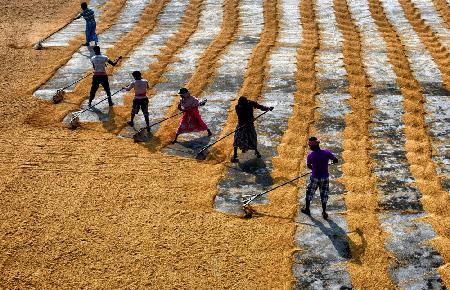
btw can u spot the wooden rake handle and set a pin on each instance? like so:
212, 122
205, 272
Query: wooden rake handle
247, 202
88, 74
238, 128
54, 32
102, 100
75, 82
174, 115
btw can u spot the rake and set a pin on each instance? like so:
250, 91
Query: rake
75, 120
202, 153
140, 135
60, 93
246, 202
38, 45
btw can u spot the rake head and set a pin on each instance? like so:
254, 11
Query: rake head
74, 122
58, 96
38, 45
201, 155
248, 211
142, 136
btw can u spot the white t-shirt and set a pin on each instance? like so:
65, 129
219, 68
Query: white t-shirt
140, 88
99, 62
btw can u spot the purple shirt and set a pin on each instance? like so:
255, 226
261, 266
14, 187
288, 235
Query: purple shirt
318, 161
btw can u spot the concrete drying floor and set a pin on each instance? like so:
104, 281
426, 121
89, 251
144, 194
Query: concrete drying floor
90, 208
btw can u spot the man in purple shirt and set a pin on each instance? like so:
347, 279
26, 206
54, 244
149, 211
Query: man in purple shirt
317, 161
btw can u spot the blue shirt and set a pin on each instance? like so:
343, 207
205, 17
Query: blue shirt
88, 15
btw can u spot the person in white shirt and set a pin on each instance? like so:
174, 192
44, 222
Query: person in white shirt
140, 100
100, 77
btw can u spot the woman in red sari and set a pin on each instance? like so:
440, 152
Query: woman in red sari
191, 120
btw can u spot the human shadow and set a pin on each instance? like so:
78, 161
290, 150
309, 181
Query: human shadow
107, 119
151, 144
195, 144
258, 168
102, 117
90, 49
337, 236
139, 134
256, 214
188, 148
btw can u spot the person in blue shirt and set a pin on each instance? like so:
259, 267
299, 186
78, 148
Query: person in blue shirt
88, 15
317, 161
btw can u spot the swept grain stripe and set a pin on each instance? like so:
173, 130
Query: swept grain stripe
120, 75
324, 244
399, 199
290, 155
430, 39
255, 75
113, 9
75, 28
228, 78
435, 201
444, 10
180, 52
422, 64
142, 56
438, 105
375, 57
207, 66
370, 261
425, 70
79, 64
416, 262
188, 27
434, 21
281, 76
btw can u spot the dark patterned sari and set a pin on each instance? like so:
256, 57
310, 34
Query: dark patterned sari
245, 137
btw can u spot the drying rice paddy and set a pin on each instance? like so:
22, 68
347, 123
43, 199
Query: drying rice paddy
91, 208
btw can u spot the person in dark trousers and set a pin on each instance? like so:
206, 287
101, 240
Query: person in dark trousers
140, 100
245, 137
100, 77
317, 161
91, 25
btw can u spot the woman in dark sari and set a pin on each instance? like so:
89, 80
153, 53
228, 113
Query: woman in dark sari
245, 137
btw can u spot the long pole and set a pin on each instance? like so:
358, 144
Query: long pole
272, 189
79, 80
170, 117
238, 128
38, 45
165, 119
89, 107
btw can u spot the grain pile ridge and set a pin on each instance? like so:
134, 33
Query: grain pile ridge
370, 260
435, 200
